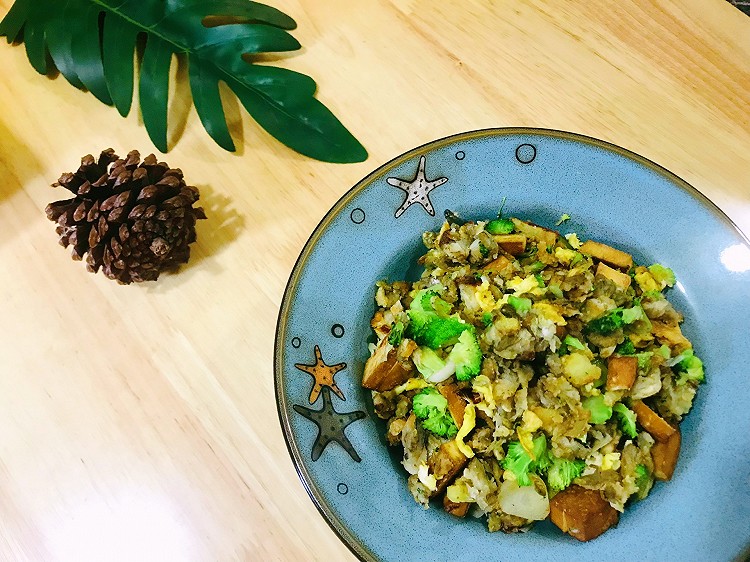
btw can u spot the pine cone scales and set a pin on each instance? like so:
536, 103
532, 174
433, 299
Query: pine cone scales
134, 219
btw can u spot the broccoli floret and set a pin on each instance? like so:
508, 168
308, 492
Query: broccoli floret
536, 267
428, 322
440, 332
432, 408
520, 463
575, 343
633, 314
499, 226
626, 348
689, 367
483, 250
644, 359
643, 480
598, 409
427, 362
626, 418
397, 334
487, 319
562, 472
663, 275
539, 280
564, 217
521, 305
466, 355
607, 323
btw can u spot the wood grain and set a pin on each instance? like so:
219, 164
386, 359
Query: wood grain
139, 422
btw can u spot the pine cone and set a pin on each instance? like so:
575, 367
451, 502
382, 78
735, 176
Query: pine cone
134, 219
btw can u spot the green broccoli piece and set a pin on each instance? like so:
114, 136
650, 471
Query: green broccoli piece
607, 323
466, 355
440, 332
427, 362
689, 367
539, 280
432, 408
520, 304
487, 319
663, 275
599, 411
499, 226
626, 418
564, 217
562, 472
555, 291
575, 343
664, 351
626, 348
520, 463
483, 250
643, 480
397, 334
644, 359
429, 324
535, 267
633, 314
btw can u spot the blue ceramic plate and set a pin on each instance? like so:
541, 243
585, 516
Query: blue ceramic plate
614, 196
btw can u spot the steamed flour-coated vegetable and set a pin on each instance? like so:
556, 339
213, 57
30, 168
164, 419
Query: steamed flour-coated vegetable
529, 375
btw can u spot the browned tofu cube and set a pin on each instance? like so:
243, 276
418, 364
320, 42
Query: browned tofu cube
621, 372
665, 456
652, 422
582, 513
617, 277
671, 335
536, 232
445, 464
383, 370
457, 509
514, 244
607, 254
456, 404
497, 265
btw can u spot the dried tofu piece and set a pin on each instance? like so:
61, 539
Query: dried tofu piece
457, 509
607, 254
617, 277
582, 513
514, 244
652, 422
665, 456
621, 372
383, 370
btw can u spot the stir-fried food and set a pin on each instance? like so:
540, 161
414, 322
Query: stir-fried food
528, 375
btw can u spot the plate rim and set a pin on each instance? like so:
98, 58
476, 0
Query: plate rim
338, 527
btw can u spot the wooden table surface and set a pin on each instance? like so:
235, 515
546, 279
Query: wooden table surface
139, 422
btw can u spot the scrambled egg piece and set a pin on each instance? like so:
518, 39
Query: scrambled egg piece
466, 427
564, 255
550, 312
484, 296
611, 461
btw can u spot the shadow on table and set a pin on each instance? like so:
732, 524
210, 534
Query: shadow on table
17, 163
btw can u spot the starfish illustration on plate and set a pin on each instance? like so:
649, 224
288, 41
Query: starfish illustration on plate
331, 425
417, 190
323, 375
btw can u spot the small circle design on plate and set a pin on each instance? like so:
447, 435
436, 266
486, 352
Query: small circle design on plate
460, 155
357, 215
337, 330
525, 153
342, 489
296, 342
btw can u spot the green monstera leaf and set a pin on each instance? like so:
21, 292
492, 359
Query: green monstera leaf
92, 44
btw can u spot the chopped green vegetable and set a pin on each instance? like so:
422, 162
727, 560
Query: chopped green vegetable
689, 367
564, 217
484, 252
539, 280
520, 463
598, 409
520, 304
397, 334
487, 319
664, 351
630, 315
562, 472
428, 322
607, 323
432, 408
466, 355
643, 480
626, 348
499, 226
663, 275
644, 359
626, 419
555, 291
535, 267
575, 343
